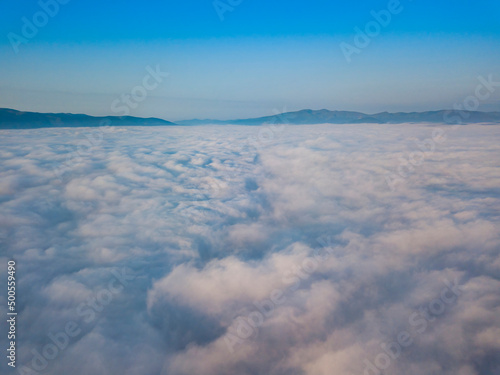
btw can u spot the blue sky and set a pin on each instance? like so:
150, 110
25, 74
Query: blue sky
262, 57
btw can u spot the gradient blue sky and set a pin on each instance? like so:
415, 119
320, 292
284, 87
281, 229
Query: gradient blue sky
264, 56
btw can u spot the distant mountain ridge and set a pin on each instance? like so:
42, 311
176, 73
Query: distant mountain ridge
324, 116
12, 119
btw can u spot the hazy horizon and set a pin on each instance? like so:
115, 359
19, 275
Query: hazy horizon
271, 114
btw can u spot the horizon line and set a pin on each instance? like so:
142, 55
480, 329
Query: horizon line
246, 118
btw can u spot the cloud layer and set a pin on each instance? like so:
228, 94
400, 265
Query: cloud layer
314, 250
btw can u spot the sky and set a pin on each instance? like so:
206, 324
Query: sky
251, 58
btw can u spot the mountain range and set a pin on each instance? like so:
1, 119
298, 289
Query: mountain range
12, 119
324, 116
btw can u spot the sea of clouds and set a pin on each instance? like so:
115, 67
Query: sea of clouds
223, 250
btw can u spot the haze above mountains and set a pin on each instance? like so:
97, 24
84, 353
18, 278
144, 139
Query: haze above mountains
13, 119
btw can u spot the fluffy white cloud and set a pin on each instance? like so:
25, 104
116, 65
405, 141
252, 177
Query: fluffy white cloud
294, 258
